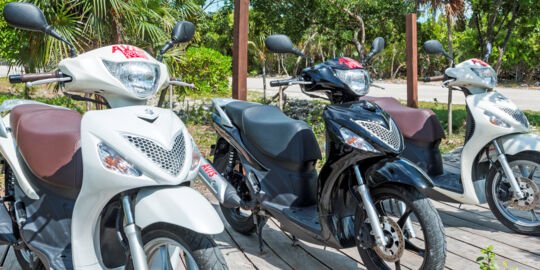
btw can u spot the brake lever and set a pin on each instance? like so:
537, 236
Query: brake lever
180, 83
46, 81
378, 86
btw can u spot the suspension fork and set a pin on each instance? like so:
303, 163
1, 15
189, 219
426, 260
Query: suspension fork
133, 234
501, 157
369, 206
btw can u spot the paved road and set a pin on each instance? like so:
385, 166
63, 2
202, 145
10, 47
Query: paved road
525, 99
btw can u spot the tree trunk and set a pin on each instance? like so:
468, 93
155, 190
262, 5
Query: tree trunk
283, 66
264, 80
359, 45
515, 11
449, 32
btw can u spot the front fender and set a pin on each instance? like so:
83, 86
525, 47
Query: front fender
395, 170
181, 206
520, 142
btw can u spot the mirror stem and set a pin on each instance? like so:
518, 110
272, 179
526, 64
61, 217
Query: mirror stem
165, 48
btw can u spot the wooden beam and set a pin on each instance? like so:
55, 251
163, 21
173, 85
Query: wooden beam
240, 49
412, 61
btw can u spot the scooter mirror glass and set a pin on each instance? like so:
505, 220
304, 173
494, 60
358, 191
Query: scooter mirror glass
26, 16
280, 44
182, 32
433, 47
377, 46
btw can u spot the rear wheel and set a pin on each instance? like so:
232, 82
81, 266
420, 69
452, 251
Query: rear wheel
412, 228
239, 219
169, 247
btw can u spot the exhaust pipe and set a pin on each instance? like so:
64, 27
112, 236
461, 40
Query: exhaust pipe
224, 192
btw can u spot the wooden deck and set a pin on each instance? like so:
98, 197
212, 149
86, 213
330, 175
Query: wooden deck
468, 228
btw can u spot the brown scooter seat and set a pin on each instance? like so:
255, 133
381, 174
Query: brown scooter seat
415, 124
48, 139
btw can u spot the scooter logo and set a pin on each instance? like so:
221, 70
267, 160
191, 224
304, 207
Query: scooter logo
350, 63
129, 51
209, 170
480, 62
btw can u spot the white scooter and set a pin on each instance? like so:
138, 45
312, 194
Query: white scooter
110, 189
500, 158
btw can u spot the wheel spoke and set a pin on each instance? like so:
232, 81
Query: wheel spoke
414, 248
398, 265
533, 215
531, 175
165, 258
403, 218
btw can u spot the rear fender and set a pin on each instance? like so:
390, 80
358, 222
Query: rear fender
400, 171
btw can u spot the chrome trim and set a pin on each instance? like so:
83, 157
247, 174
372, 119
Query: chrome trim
370, 209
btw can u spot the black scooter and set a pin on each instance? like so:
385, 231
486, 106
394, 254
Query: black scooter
364, 195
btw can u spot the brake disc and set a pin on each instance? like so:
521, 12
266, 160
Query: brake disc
395, 243
531, 195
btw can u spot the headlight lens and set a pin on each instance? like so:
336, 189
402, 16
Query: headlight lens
196, 157
487, 74
139, 77
112, 161
356, 141
356, 79
494, 120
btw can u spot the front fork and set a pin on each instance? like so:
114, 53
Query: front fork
501, 157
133, 234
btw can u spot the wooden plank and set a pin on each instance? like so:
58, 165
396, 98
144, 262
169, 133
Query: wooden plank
240, 48
473, 235
328, 256
250, 246
296, 257
412, 61
233, 255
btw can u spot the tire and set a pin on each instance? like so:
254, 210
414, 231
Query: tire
24, 260
503, 216
426, 215
238, 220
201, 249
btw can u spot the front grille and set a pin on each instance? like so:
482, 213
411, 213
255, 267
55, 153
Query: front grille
471, 126
391, 136
516, 114
170, 161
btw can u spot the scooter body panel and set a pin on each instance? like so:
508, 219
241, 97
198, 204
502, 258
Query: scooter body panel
101, 184
520, 142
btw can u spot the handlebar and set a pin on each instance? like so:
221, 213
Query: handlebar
288, 82
175, 81
30, 77
435, 78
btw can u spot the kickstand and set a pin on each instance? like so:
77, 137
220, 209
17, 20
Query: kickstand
295, 242
4, 255
260, 221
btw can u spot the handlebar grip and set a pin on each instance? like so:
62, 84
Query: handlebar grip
435, 78
30, 77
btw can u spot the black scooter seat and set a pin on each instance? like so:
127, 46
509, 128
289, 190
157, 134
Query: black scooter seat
273, 133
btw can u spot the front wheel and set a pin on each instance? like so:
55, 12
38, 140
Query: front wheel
169, 247
412, 227
520, 215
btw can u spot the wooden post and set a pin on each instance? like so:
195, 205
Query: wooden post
412, 61
240, 49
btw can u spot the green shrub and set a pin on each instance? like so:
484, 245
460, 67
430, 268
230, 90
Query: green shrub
208, 69
489, 261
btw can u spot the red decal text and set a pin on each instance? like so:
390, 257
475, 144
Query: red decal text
209, 170
350, 63
129, 51
480, 62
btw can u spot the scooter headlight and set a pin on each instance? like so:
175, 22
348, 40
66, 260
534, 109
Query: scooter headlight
140, 78
495, 120
487, 74
113, 161
356, 79
356, 141
196, 157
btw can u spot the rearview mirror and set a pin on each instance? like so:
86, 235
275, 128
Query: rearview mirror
377, 46
435, 47
280, 44
26, 16
182, 32
489, 51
